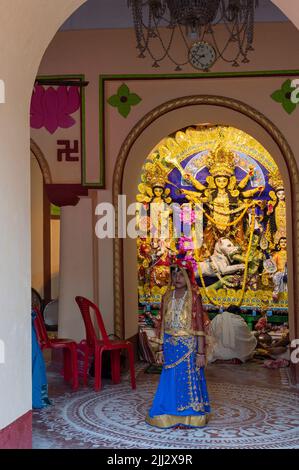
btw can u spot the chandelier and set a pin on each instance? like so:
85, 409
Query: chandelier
193, 23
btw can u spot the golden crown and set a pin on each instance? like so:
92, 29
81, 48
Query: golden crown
221, 161
157, 181
275, 180
155, 174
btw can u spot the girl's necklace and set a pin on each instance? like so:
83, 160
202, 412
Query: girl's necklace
177, 307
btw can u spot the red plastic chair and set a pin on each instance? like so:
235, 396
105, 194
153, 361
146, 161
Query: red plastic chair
95, 346
70, 358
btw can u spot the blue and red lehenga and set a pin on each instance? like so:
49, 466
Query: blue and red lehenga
181, 397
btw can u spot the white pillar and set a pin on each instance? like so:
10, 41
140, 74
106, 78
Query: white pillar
15, 313
76, 266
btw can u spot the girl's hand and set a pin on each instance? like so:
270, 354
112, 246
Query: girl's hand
200, 360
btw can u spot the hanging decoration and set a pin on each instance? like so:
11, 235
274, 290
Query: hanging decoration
161, 24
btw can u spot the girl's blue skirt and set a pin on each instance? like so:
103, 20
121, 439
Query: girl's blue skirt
181, 397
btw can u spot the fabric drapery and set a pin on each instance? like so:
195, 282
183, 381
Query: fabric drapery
40, 397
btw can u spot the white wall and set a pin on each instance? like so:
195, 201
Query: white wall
26, 30
76, 266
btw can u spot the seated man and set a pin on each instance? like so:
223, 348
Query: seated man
232, 339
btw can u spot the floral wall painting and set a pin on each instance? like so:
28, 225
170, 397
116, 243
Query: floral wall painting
57, 121
52, 108
123, 100
284, 96
233, 188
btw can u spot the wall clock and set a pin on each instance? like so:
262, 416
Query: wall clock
202, 55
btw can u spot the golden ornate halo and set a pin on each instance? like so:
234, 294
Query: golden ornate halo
206, 138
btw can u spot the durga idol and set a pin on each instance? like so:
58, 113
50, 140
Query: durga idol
225, 201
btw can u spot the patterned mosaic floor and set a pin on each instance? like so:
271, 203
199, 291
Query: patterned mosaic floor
252, 408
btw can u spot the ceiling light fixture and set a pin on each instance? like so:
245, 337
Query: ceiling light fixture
194, 22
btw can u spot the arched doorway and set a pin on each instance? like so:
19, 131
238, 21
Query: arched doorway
165, 120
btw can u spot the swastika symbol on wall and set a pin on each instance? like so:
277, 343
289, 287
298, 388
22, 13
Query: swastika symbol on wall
68, 151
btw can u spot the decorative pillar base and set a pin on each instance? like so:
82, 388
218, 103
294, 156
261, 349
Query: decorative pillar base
17, 435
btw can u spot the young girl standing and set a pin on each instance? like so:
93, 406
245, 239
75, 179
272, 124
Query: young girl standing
181, 397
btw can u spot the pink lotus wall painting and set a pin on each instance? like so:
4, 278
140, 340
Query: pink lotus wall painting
57, 126
52, 107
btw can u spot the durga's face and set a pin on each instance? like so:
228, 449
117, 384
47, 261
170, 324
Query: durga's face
221, 181
158, 191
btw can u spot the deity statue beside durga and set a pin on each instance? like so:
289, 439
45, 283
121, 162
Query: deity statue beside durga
226, 191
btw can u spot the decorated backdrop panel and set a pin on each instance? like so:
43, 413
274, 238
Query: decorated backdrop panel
57, 127
220, 195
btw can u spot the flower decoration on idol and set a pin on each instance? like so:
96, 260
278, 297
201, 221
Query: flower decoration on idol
187, 216
186, 250
52, 108
185, 244
144, 249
